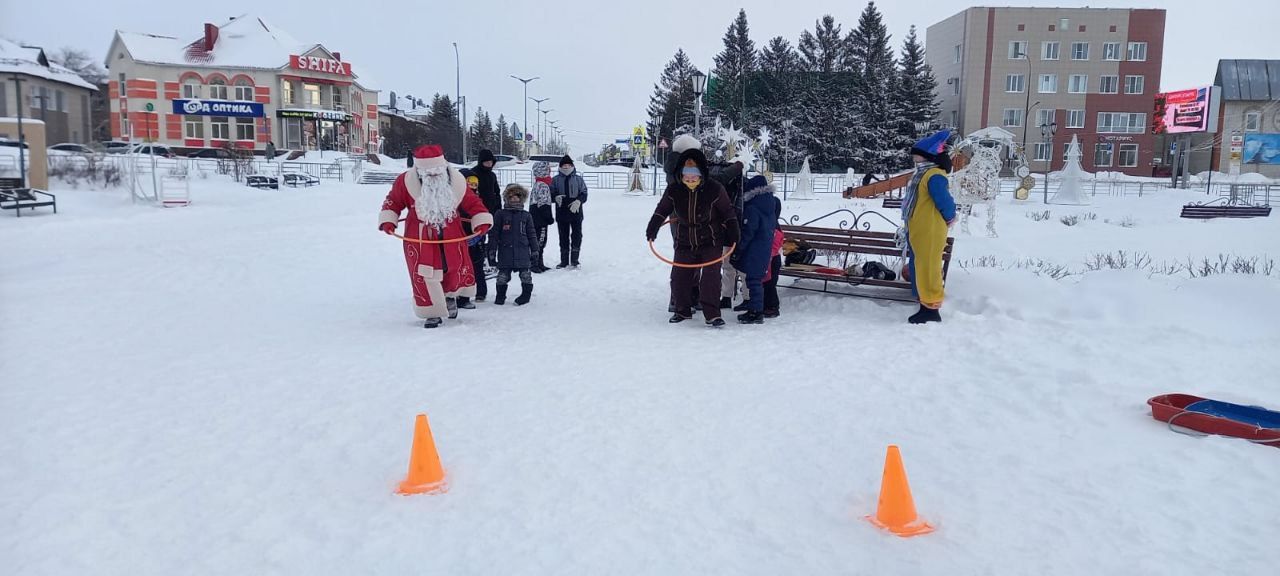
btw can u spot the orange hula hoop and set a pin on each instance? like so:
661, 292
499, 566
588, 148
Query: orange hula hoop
453, 241
680, 265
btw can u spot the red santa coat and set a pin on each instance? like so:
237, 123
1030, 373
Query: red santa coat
436, 271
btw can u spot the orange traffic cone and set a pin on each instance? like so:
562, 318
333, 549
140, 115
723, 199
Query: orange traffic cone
896, 511
426, 476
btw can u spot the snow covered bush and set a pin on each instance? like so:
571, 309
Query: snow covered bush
1074, 219
1039, 216
93, 174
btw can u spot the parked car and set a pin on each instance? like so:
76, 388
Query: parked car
71, 148
210, 153
13, 144
152, 150
552, 159
505, 161
116, 147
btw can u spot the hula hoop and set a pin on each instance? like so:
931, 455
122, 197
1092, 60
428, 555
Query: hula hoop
680, 265
455, 240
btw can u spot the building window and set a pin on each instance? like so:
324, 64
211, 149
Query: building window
1111, 51
1017, 50
1113, 27
194, 127
218, 89
1075, 118
1079, 50
1050, 50
244, 91
955, 115
1044, 151
1128, 155
59, 101
286, 92
244, 129
1048, 83
1046, 116
338, 100
190, 90
959, 53
1064, 24
1083, 28
1138, 51
1134, 84
221, 128
955, 86
1122, 122
1253, 121
311, 95
1022, 27
125, 128
1015, 83
1109, 85
1013, 117
1102, 155
1079, 84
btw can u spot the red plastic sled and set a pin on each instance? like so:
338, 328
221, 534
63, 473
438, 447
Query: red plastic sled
1185, 412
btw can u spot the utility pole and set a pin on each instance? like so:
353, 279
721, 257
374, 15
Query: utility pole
525, 136
22, 139
462, 117
537, 119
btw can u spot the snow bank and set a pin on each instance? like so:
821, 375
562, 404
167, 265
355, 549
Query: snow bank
230, 388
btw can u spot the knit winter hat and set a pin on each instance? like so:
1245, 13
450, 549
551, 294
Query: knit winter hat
685, 142
755, 182
931, 146
566, 160
515, 194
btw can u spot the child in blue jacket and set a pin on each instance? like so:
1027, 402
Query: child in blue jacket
755, 248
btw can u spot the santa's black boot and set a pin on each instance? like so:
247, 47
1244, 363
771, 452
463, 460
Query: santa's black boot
451, 304
433, 323
526, 292
465, 303
925, 315
502, 295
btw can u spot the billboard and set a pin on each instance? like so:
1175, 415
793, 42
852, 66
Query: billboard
191, 107
1262, 149
1183, 111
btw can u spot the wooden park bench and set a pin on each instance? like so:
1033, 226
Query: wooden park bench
300, 180
262, 182
848, 244
1239, 204
19, 199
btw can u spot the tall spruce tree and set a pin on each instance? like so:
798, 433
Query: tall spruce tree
733, 68
824, 117
481, 136
777, 82
672, 101
876, 141
915, 93
443, 128
507, 143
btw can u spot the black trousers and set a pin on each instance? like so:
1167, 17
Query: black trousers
771, 287
570, 227
538, 259
477, 262
707, 280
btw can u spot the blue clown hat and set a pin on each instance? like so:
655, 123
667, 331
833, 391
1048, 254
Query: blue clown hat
932, 145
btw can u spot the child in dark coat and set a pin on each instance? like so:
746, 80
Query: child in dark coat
511, 244
771, 303
755, 249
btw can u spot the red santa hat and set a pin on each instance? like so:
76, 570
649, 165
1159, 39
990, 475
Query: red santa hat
429, 156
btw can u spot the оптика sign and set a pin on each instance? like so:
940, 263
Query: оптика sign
218, 108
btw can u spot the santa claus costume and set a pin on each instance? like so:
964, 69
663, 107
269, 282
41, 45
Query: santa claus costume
440, 268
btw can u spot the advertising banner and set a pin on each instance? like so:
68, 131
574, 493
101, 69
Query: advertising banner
218, 108
1182, 112
1262, 149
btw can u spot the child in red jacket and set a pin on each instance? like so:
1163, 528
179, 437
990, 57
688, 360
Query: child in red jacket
771, 302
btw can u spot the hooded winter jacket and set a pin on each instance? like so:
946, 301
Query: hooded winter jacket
489, 192
758, 224
704, 217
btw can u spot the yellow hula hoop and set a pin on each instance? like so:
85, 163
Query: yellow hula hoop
680, 265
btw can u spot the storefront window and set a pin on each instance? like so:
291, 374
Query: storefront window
221, 127
312, 92
244, 129
293, 133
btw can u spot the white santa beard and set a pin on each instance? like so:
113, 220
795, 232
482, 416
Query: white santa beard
437, 205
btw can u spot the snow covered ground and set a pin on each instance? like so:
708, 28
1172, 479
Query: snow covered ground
229, 388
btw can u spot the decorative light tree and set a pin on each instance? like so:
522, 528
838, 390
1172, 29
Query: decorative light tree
1071, 188
636, 187
804, 183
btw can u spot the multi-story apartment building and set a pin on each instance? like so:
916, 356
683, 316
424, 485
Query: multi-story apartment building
244, 83
1093, 72
44, 91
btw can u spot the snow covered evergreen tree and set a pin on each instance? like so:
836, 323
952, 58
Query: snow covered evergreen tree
914, 93
443, 127
876, 141
481, 136
507, 143
733, 68
672, 100
824, 116
777, 83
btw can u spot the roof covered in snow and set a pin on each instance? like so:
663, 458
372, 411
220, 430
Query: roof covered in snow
32, 61
244, 42
1249, 79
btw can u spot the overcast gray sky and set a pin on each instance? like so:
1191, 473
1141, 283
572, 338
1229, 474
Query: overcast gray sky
598, 60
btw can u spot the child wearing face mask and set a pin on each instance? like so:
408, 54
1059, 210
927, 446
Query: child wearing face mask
569, 192
704, 222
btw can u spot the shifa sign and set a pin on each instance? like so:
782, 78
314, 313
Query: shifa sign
218, 108
318, 64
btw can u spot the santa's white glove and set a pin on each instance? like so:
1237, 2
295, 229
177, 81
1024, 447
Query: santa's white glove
575, 206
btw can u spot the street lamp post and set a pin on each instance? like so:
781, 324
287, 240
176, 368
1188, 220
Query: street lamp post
699, 87
545, 121
525, 136
1026, 85
1046, 135
786, 154
462, 117
537, 116
22, 138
